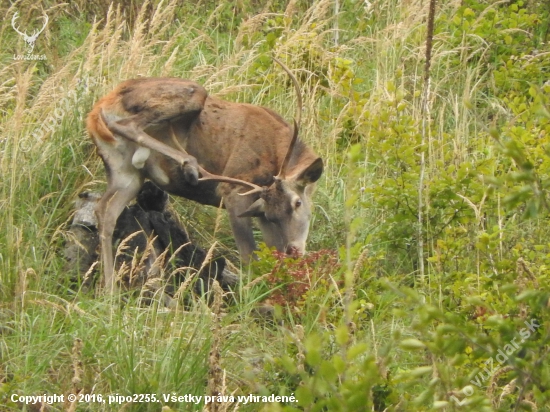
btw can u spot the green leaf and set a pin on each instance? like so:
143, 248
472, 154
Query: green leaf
327, 371
357, 350
412, 344
420, 371
339, 364
468, 12
304, 396
342, 335
288, 363
440, 404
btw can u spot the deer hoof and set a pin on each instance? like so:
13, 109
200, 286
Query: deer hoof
191, 174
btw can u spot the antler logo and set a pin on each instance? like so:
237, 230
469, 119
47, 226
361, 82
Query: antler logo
30, 40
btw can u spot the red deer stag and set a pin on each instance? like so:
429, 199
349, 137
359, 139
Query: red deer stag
169, 131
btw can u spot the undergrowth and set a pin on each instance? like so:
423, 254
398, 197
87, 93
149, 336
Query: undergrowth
427, 283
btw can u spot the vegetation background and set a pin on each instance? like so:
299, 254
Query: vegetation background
431, 218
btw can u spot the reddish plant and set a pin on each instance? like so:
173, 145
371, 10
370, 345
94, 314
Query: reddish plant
292, 277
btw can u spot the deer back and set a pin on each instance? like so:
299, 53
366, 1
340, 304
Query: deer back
237, 140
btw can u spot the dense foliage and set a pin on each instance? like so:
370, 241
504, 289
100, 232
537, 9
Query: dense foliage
430, 290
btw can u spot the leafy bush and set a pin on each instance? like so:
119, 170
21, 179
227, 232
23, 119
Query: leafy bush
430, 259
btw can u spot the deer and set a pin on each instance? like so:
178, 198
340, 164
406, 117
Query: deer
238, 156
30, 40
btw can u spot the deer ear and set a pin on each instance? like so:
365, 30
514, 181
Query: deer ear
310, 174
256, 209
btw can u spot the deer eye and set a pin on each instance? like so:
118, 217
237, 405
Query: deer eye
298, 203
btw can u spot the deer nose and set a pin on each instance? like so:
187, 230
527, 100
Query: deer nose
292, 250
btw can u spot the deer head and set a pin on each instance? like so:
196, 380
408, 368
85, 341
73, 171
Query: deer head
284, 208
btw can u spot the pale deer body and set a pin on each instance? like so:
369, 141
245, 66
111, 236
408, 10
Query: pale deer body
169, 131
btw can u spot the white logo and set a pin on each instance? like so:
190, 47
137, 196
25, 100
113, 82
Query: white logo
30, 40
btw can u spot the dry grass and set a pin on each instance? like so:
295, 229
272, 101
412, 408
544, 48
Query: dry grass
43, 171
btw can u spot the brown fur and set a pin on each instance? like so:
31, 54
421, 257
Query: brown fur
228, 139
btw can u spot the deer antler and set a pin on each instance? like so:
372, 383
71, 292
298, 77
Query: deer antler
224, 179
297, 119
15, 16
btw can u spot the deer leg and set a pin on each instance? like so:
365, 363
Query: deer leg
241, 226
120, 191
131, 129
242, 230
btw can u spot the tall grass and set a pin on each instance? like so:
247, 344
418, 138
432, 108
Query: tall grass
362, 115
